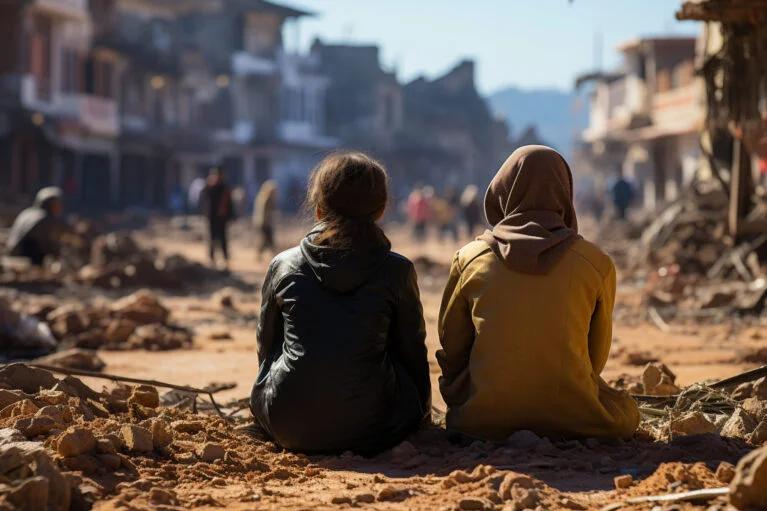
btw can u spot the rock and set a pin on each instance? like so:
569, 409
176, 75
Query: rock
36, 426
31, 493
691, 423
623, 481
145, 395
136, 438
76, 441
26, 379
162, 435
760, 389
110, 460
118, 331
142, 307
514, 480
743, 391
220, 335
188, 426
224, 298
341, 499
58, 413
85, 360
157, 337
365, 498
31, 480
472, 504
52, 397
759, 435
523, 439
163, 497
639, 358
9, 397
105, 446
725, 472
739, 425
748, 489
524, 498
25, 407
392, 493
67, 320
210, 452
755, 407
403, 452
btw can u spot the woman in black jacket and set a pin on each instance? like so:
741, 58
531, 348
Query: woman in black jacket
341, 334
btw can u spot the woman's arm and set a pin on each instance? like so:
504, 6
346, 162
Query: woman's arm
601, 329
269, 332
409, 339
456, 335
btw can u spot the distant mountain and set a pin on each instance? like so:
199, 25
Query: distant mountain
557, 115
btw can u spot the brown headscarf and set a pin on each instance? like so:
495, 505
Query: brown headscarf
529, 203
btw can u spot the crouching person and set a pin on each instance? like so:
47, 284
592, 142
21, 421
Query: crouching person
341, 334
36, 232
526, 318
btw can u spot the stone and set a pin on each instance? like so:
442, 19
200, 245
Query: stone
365, 498
119, 330
725, 472
748, 489
623, 481
524, 498
759, 435
403, 452
341, 499
162, 435
67, 320
739, 425
391, 493
142, 307
76, 441
110, 460
224, 298
188, 426
691, 423
743, 391
523, 439
21, 408
31, 493
35, 426
472, 504
163, 497
9, 397
760, 389
136, 438
210, 452
105, 446
145, 395
52, 397
31, 478
27, 379
58, 413
514, 480
75, 358
755, 407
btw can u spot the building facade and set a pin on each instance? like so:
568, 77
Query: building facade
646, 119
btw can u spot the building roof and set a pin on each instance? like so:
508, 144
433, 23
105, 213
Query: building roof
635, 43
264, 5
728, 11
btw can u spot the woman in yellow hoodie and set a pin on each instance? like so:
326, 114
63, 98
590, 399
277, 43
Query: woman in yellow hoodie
526, 317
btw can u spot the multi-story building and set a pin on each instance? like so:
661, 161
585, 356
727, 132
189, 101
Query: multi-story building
646, 118
59, 100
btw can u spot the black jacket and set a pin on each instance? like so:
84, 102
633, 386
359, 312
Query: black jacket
341, 350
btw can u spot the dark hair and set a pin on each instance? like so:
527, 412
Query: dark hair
350, 190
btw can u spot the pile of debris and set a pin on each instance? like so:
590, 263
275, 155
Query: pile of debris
112, 261
137, 321
695, 270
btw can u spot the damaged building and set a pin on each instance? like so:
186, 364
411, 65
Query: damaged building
646, 118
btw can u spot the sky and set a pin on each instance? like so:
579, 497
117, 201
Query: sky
524, 43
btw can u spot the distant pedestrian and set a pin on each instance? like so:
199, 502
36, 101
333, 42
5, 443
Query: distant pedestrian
418, 212
193, 195
471, 209
217, 200
264, 211
622, 195
445, 214
36, 232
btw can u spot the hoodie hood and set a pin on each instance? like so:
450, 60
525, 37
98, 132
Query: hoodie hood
46, 196
340, 269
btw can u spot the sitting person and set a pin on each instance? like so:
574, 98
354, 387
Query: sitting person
526, 318
341, 337
36, 231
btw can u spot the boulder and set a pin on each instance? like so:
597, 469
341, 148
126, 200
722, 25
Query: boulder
739, 425
142, 307
26, 379
748, 489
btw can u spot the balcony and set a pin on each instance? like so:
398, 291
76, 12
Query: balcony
679, 110
244, 63
71, 9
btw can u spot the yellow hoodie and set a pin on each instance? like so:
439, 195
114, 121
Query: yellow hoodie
524, 351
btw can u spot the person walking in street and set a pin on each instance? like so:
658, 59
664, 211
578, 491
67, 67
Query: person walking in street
341, 335
471, 209
418, 212
36, 231
264, 212
622, 193
217, 200
525, 322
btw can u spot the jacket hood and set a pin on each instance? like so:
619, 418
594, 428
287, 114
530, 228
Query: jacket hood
341, 269
46, 196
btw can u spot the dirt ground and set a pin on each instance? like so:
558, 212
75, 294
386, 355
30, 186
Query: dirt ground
430, 471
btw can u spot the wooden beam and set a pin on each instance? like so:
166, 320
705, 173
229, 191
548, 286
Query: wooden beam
740, 188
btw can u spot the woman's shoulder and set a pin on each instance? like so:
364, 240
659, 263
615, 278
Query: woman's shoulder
590, 254
471, 252
285, 262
